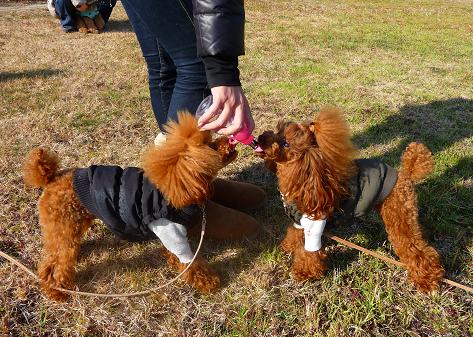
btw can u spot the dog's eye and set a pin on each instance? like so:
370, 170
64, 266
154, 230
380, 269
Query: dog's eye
285, 143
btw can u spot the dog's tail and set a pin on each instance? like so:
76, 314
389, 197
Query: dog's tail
417, 162
40, 167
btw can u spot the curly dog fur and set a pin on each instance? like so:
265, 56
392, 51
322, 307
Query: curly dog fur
314, 162
182, 169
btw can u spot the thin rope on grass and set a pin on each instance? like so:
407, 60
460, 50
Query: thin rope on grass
147, 292
387, 259
121, 295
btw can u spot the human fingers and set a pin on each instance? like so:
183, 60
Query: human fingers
249, 121
237, 124
221, 121
209, 114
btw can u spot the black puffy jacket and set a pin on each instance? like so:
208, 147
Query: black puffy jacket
220, 30
126, 201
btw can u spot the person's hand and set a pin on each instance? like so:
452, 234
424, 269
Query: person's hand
233, 104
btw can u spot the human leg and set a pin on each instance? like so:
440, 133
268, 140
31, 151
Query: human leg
171, 25
65, 11
161, 69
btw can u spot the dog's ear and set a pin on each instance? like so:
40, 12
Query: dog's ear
183, 166
307, 181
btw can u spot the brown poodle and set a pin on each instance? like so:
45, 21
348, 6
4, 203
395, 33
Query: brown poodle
320, 179
177, 176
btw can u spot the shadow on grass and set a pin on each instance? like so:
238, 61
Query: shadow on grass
151, 258
118, 26
6, 76
438, 124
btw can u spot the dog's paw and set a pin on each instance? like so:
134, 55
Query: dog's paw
308, 265
430, 287
199, 275
425, 271
83, 30
427, 281
294, 238
94, 31
202, 277
52, 277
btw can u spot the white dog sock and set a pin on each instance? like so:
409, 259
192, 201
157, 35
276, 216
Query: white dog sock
313, 230
174, 238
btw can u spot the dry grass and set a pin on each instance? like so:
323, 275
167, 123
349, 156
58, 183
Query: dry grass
401, 70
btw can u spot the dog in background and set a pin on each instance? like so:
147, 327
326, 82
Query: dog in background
87, 17
162, 200
319, 178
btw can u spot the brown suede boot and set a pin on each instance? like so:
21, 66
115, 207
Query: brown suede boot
237, 195
224, 223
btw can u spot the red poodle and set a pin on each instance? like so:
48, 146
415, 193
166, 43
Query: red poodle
161, 201
319, 178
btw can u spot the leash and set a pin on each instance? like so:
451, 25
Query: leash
387, 259
147, 292
122, 295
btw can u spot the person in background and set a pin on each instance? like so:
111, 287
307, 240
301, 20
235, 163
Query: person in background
64, 10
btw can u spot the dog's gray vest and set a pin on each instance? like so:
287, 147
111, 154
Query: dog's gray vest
126, 201
373, 182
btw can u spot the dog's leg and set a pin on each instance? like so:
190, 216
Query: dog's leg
294, 238
90, 25
63, 222
80, 24
400, 216
178, 254
99, 23
306, 265
200, 275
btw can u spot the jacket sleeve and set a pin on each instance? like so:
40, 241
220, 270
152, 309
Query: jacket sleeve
219, 29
